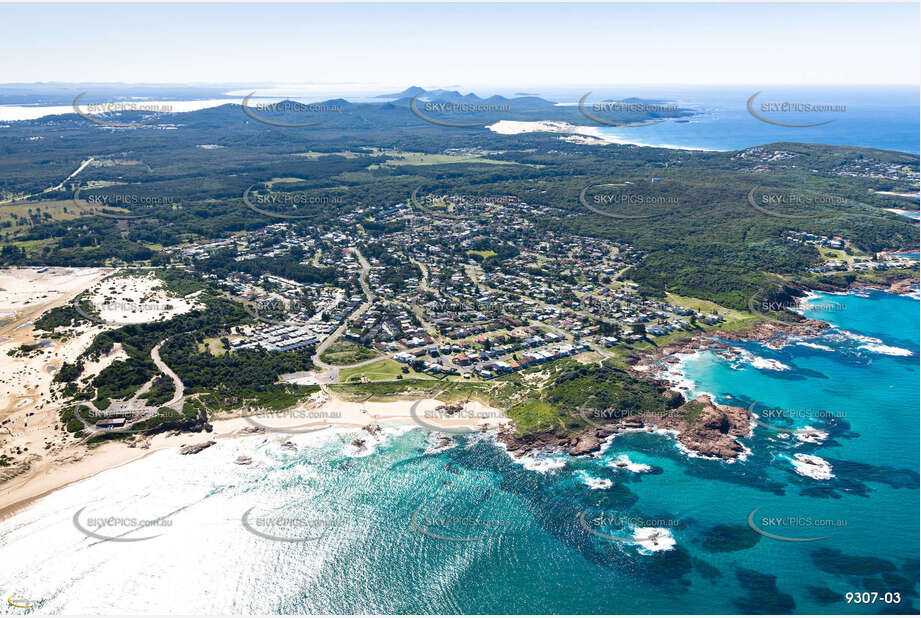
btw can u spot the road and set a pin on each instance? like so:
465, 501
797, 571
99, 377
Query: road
333, 370
146, 412
177, 383
424, 284
56, 187
471, 272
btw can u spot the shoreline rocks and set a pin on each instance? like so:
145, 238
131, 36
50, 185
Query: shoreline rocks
714, 433
192, 449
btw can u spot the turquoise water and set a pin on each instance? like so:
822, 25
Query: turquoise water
884, 117
409, 529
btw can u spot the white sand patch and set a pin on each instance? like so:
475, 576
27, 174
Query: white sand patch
21, 288
136, 300
92, 368
586, 140
515, 127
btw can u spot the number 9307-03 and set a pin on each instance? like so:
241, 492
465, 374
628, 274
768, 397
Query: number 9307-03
868, 598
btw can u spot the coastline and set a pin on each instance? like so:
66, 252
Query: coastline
712, 436
78, 462
580, 134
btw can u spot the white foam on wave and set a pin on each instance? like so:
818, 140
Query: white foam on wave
817, 346
888, 350
872, 344
652, 540
372, 441
810, 435
739, 357
438, 443
768, 364
622, 462
594, 483
676, 374
695, 455
542, 464
812, 467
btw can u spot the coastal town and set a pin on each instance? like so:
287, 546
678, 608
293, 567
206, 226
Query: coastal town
437, 295
450, 287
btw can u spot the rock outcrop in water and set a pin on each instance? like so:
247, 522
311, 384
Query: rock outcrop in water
192, 449
711, 431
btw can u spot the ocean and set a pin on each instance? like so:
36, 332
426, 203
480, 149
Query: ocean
883, 117
872, 117
317, 525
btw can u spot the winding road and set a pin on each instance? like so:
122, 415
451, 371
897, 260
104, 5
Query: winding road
333, 370
177, 383
146, 413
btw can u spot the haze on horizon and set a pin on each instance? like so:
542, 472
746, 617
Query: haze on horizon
478, 45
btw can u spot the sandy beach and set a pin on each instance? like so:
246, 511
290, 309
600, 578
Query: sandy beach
77, 462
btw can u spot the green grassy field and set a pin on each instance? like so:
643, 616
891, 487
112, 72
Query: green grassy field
421, 158
380, 371
345, 352
56, 210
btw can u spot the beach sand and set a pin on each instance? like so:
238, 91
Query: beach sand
77, 462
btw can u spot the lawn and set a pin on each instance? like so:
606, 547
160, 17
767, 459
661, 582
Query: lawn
704, 306
344, 352
381, 371
483, 254
56, 210
533, 415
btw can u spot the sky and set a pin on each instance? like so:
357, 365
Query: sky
450, 45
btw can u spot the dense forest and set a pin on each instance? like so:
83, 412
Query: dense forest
702, 238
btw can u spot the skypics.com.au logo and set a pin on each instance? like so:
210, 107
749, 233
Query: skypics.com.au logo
795, 204
774, 306
119, 312
287, 528
795, 527
458, 418
620, 113
101, 113
782, 113
118, 527
289, 114
650, 533
293, 421
117, 203
626, 200
281, 205
784, 420
450, 114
